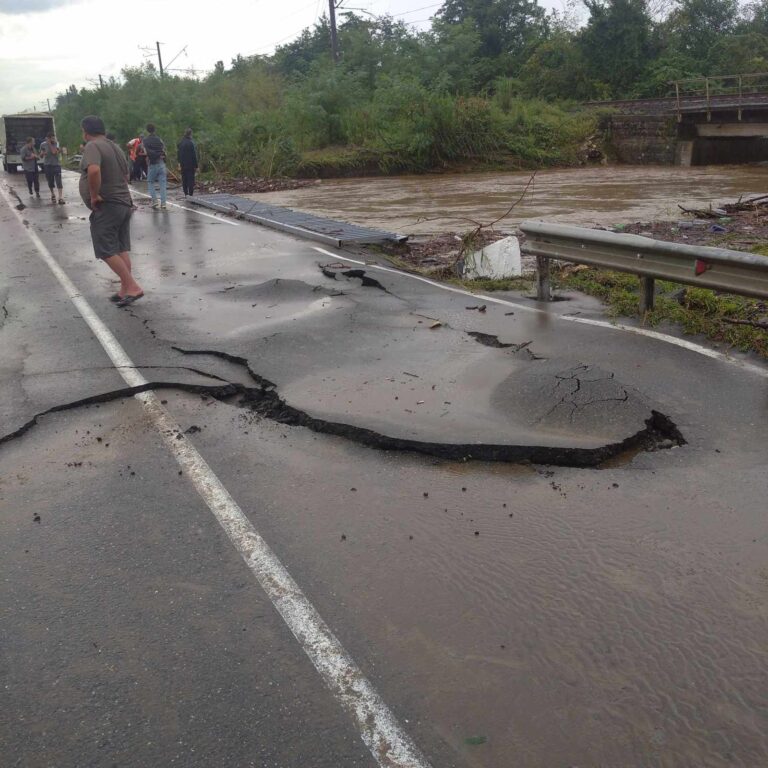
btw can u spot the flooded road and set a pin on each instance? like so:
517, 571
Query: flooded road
604, 196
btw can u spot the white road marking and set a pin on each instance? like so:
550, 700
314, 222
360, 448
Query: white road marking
193, 210
389, 744
663, 337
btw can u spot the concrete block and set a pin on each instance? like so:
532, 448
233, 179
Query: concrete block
497, 260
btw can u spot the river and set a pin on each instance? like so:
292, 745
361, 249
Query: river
590, 196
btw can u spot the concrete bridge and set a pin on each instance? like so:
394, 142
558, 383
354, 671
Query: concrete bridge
708, 121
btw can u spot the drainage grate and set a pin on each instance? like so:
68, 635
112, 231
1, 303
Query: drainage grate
327, 231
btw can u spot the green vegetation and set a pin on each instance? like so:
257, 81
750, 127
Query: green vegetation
488, 285
695, 310
492, 83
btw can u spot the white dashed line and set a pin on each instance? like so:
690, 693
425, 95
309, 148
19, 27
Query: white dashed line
389, 744
663, 337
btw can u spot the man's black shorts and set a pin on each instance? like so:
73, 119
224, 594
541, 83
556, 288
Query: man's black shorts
111, 229
53, 175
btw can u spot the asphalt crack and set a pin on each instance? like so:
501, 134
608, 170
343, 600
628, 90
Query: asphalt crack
659, 431
332, 271
264, 400
218, 392
575, 378
490, 340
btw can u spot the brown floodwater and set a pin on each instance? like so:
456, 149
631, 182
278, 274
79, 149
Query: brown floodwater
449, 202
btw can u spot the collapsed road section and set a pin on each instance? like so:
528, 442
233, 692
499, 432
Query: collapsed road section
658, 432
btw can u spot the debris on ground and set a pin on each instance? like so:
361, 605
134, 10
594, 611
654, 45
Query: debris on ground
437, 254
740, 225
246, 184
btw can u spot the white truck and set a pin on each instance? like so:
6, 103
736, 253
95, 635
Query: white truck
16, 129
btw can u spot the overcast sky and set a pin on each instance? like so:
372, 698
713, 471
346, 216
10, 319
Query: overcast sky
46, 45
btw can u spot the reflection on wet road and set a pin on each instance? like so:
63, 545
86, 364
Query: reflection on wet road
603, 195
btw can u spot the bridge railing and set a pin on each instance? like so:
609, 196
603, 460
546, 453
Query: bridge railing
745, 274
708, 90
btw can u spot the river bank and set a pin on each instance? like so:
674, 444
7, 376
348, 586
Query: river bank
733, 321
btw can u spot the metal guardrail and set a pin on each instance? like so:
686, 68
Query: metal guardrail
745, 274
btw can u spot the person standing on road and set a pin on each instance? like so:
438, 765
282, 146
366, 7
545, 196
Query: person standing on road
104, 189
157, 172
138, 158
52, 166
29, 160
187, 156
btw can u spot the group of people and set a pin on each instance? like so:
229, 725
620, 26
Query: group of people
105, 173
148, 161
104, 178
50, 154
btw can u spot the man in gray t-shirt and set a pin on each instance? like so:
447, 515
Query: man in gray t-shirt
50, 152
104, 189
29, 160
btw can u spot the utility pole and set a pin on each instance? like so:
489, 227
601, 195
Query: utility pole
160, 60
101, 81
48, 101
334, 37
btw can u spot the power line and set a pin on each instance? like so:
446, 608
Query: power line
341, 7
416, 10
168, 65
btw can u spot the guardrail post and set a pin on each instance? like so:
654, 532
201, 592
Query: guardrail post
544, 292
647, 292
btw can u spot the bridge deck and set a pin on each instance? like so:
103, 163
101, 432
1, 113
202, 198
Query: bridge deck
669, 105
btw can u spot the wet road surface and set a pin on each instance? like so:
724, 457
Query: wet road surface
582, 196
509, 614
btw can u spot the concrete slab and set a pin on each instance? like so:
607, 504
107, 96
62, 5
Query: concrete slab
495, 261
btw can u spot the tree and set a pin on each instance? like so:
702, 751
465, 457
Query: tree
557, 70
695, 26
616, 43
507, 30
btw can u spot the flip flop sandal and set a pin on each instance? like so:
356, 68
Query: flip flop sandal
127, 300
115, 297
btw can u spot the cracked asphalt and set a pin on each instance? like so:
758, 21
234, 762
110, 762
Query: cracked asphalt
544, 543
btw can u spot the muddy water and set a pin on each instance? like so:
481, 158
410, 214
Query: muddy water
604, 195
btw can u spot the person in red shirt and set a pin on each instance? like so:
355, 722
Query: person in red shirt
138, 158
